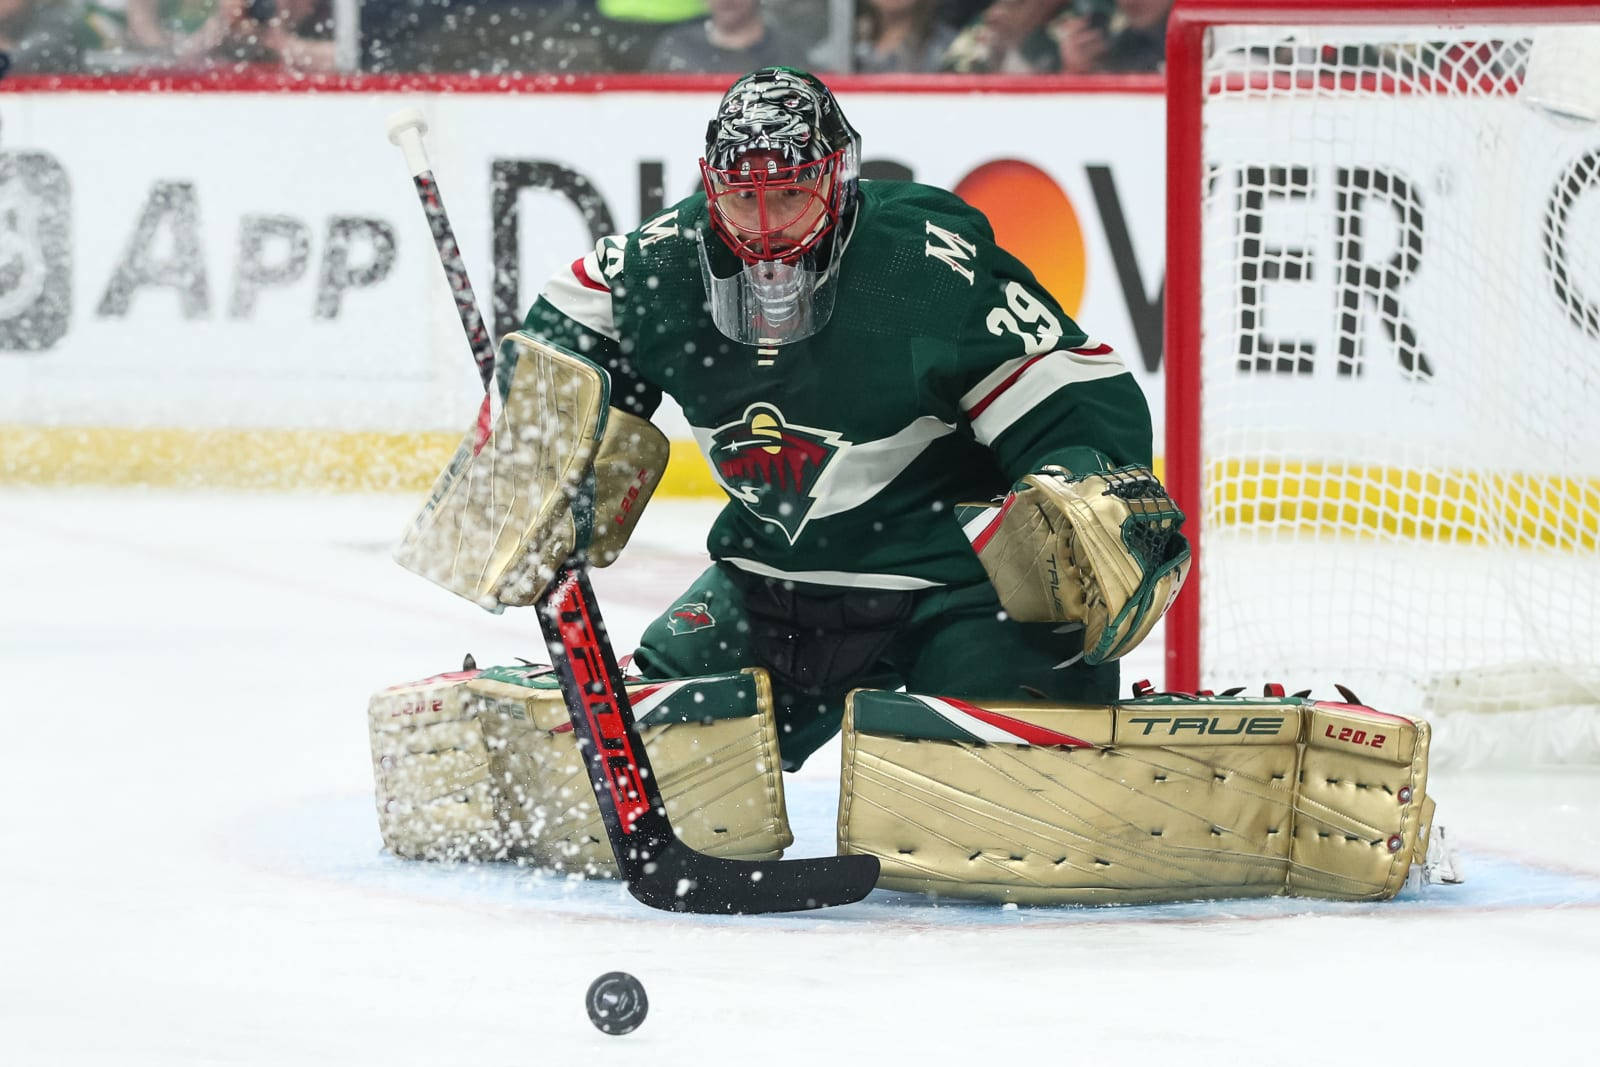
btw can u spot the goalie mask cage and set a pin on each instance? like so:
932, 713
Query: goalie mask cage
1383, 358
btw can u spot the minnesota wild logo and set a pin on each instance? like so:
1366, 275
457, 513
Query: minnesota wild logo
688, 617
772, 466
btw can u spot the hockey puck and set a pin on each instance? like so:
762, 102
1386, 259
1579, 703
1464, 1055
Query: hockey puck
616, 1003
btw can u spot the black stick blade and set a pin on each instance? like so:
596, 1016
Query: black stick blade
677, 878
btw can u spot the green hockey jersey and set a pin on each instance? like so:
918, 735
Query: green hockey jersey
945, 373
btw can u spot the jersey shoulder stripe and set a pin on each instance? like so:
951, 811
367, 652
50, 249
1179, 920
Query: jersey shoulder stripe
587, 271
1019, 385
583, 294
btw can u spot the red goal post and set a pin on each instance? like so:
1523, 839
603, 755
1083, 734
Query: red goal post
1290, 126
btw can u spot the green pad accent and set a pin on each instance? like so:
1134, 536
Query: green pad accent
965, 513
1142, 601
533, 677
725, 696
889, 714
1152, 537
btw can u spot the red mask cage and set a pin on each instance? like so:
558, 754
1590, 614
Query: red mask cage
768, 213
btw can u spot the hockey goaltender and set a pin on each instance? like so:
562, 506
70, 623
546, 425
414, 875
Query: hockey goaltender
859, 358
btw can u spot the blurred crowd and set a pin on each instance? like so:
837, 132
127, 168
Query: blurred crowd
72, 36
498, 36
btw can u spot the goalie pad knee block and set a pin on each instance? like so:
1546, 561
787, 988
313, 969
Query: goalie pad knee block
1154, 799
1102, 549
483, 765
552, 471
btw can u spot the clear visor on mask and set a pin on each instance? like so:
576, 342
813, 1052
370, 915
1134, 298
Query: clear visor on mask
770, 302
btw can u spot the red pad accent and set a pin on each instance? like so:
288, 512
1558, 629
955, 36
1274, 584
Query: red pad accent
640, 694
986, 535
1362, 709
644, 692
1029, 732
480, 436
453, 676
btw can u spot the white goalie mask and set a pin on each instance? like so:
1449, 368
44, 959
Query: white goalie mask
780, 175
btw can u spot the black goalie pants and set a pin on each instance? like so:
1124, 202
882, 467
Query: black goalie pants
818, 643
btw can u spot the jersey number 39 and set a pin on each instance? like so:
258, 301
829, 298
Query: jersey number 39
1042, 330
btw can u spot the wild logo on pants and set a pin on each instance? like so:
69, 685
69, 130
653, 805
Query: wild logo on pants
688, 617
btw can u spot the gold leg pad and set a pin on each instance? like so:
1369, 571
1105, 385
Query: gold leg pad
483, 765
1148, 800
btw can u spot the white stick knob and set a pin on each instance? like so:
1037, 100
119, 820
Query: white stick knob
406, 128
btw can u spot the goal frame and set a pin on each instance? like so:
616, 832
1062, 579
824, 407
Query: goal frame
1186, 94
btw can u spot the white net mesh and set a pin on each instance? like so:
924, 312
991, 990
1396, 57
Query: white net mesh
1401, 367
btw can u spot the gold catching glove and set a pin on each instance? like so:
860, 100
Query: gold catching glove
1100, 549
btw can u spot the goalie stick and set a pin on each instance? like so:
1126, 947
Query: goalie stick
660, 870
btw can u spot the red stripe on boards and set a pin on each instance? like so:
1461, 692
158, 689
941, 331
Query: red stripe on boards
266, 78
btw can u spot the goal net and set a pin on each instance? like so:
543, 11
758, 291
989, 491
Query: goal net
1384, 362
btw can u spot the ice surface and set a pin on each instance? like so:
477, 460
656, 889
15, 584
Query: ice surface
192, 871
